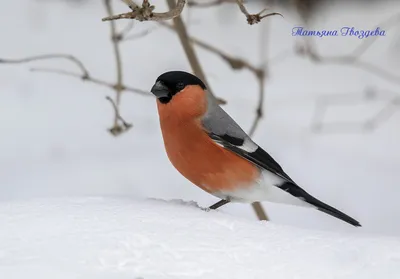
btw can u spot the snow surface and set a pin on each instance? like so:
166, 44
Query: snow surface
95, 238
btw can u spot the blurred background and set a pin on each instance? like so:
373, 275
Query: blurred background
330, 104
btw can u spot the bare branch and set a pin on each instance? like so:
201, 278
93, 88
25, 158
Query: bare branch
386, 24
261, 74
138, 35
180, 28
122, 34
115, 39
76, 61
370, 124
236, 63
353, 59
257, 206
259, 109
145, 13
85, 75
130, 4
117, 129
92, 80
254, 18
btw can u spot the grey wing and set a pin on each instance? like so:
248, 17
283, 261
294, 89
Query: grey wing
223, 130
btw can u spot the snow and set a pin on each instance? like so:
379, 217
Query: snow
126, 238
54, 140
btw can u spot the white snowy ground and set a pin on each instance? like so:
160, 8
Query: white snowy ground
53, 128
96, 238
54, 143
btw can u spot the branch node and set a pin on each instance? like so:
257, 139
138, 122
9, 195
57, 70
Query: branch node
260, 73
259, 112
117, 38
235, 63
145, 12
119, 87
256, 18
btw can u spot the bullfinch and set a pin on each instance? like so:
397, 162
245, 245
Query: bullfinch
211, 150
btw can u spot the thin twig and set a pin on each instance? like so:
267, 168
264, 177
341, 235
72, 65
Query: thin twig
122, 34
386, 24
236, 63
137, 35
130, 4
92, 80
260, 103
327, 101
353, 59
117, 130
254, 18
188, 48
76, 61
115, 39
260, 74
145, 13
384, 114
84, 75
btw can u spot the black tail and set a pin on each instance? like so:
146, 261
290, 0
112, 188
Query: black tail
298, 192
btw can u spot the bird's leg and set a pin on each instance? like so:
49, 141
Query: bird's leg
219, 204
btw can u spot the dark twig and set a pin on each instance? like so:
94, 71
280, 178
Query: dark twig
180, 28
145, 12
115, 39
235, 63
259, 109
84, 75
260, 74
92, 80
117, 130
76, 61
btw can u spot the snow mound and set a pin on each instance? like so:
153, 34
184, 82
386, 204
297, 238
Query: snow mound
123, 238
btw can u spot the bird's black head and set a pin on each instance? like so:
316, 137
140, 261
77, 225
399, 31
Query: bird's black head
171, 83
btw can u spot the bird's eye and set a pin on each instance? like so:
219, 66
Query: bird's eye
180, 86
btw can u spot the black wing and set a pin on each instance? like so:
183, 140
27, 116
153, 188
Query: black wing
259, 157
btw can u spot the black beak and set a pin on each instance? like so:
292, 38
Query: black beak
160, 90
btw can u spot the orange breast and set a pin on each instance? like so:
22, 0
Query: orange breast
202, 161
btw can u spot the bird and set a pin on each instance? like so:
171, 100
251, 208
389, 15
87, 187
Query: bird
212, 151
